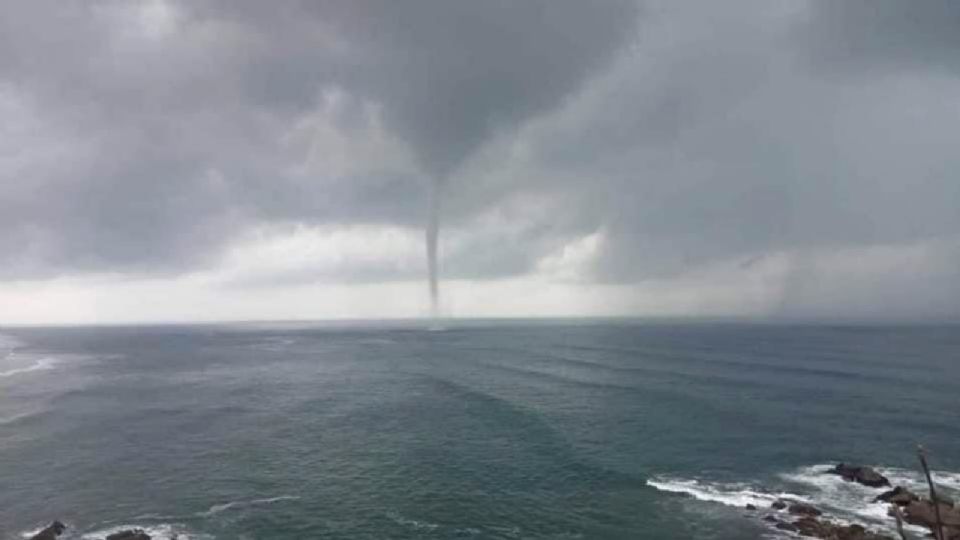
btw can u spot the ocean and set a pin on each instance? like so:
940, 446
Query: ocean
483, 430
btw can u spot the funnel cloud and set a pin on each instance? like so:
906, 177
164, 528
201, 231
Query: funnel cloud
772, 159
432, 234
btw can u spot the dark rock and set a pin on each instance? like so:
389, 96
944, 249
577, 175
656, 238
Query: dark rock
779, 523
54, 530
778, 504
809, 526
751, 507
862, 475
803, 509
784, 526
131, 534
900, 496
922, 513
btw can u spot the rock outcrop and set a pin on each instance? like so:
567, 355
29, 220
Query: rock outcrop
809, 526
816, 528
862, 475
921, 512
899, 496
54, 530
803, 509
130, 534
806, 520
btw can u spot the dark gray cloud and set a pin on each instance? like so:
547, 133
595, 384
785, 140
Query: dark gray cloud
744, 146
687, 134
452, 73
867, 35
175, 141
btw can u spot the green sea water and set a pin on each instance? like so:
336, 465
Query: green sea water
484, 430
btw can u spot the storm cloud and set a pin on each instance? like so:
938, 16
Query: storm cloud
806, 146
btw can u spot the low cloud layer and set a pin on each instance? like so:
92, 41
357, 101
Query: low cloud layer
798, 156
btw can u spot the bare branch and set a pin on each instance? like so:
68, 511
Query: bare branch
899, 518
938, 534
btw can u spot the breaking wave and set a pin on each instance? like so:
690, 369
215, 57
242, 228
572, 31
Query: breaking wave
218, 508
399, 519
40, 365
161, 527
15, 418
841, 501
31, 532
737, 495
160, 531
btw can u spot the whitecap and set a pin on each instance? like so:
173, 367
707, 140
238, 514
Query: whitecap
851, 502
400, 519
218, 508
40, 365
509, 532
12, 419
841, 501
914, 480
161, 531
32, 532
736, 495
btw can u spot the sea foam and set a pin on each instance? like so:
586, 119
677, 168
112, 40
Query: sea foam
161, 531
736, 495
39, 365
841, 501
218, 508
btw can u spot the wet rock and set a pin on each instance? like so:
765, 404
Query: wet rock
804, 509
779, 523
922, 513
751, 507
899, 496
809, 526
131, 534
862, 475
784, 526
54, 530
778, 504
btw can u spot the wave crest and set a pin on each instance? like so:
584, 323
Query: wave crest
40, 365
218, 508
841, 501
736, 495
160, 531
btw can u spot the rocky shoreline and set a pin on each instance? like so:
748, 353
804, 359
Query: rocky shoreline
57, 528
795, 516
806, 520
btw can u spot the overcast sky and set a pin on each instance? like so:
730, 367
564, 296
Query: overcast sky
241, 159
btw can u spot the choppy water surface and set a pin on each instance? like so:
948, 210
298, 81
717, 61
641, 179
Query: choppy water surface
484, 430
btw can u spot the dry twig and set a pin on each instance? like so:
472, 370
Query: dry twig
938, 534
899, 518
